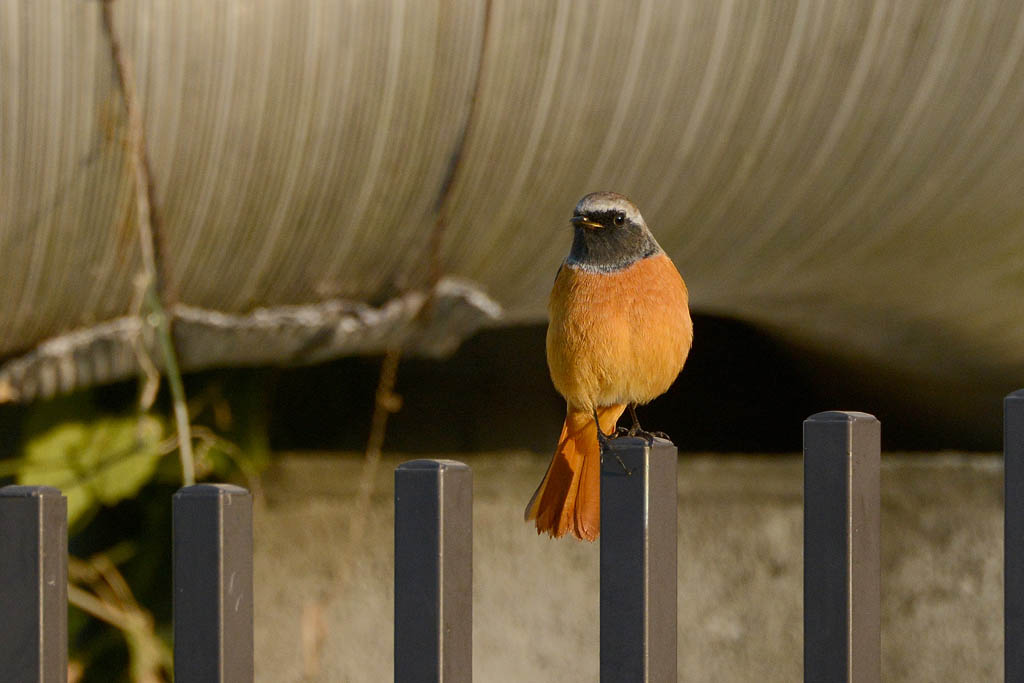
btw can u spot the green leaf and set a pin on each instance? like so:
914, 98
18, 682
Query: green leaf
97, 461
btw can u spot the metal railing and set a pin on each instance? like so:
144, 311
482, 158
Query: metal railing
213, 566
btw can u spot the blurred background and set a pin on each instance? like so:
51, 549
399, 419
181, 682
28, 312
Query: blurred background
325, 231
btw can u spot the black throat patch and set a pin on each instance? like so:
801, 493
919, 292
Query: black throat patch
608, 249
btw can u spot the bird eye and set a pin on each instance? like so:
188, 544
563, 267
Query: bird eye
620, 218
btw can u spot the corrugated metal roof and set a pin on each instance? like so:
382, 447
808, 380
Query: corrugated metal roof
849, 174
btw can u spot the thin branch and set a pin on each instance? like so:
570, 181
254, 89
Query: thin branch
150, 380
153, 310
435, 243
94, 607
385, 403
97, 588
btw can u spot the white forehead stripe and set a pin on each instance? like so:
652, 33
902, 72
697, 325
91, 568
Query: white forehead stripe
601, 203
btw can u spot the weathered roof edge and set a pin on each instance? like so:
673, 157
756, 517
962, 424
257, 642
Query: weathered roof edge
282, 335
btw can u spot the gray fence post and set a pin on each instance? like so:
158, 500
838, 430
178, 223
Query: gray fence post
842, 570
1013, 537
433, 571
33, 584
213, 627
638, 560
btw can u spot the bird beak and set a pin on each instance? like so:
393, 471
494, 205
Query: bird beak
585, 222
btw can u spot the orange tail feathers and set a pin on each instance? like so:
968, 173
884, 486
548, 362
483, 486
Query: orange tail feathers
569, 497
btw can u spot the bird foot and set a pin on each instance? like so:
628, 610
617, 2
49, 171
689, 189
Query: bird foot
637, 430
649, 436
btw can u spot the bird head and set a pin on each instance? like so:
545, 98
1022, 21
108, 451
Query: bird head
609, 233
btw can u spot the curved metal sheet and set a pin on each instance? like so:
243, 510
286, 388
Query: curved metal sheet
848, 174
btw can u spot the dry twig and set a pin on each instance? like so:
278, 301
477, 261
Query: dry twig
152, 311
386, 402
97, 588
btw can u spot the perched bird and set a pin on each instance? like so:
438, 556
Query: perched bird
619, 332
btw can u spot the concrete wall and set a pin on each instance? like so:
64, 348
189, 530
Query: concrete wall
324, 604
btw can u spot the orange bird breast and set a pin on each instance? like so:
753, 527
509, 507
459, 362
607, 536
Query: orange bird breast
617, 337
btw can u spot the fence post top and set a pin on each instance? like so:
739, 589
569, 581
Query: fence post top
210, 491
433, 465
622, 442
841, 416
30, 492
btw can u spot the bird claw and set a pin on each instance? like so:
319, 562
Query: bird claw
634, 430
649, 437
637, 430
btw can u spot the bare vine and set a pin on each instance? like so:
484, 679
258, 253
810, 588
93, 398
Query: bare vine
152, 310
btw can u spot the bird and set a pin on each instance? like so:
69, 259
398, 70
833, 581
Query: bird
619, 332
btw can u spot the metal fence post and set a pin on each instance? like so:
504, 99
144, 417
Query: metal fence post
638, 560
213, 589
842, 570
33, 584
433, 571
1013, 537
